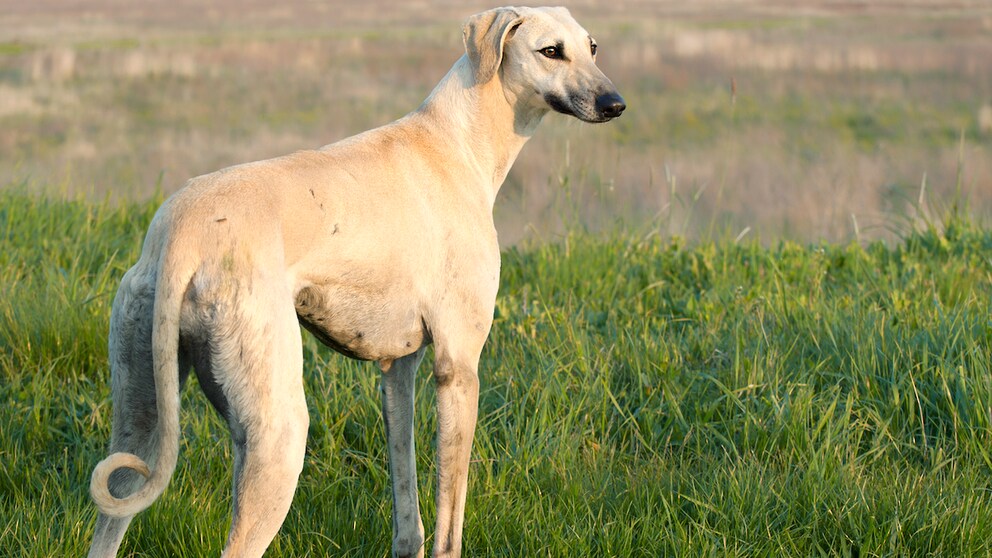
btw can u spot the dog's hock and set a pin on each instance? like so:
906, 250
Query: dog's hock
484, 35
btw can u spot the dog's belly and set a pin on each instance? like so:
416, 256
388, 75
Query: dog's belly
360, 326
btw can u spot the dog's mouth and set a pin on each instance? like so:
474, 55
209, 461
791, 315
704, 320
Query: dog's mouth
602, 108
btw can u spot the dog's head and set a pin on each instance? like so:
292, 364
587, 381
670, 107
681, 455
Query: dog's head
543, 58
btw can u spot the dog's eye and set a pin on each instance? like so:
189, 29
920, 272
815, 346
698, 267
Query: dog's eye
592, 49
551, 52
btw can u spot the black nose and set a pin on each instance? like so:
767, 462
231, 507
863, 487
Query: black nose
610, 105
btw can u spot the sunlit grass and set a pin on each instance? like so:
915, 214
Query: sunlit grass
641, 396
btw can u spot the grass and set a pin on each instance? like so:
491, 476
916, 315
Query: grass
642, 396
832, 105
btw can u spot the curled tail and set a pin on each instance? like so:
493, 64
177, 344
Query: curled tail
170, 290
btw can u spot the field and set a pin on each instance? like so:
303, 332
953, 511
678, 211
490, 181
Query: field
641, 397
839, 115
749, 318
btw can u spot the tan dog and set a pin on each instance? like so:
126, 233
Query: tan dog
379, 245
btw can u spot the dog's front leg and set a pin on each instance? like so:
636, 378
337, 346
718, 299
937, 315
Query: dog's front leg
398, 379
457, 407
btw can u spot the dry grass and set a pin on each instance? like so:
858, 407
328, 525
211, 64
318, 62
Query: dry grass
840, 113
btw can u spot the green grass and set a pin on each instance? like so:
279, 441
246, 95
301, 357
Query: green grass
641, 396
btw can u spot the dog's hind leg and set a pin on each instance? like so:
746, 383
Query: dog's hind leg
258, 362
397, 410
135, 413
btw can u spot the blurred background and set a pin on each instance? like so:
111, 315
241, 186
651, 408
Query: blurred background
819, 120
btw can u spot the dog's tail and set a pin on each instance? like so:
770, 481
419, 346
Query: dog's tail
169, 292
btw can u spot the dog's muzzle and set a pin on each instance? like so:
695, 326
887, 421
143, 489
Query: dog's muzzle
610, 105
601, 108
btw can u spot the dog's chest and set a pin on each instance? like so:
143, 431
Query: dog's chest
360, 324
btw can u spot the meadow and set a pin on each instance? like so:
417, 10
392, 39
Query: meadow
750, 318
810, 120
642, 396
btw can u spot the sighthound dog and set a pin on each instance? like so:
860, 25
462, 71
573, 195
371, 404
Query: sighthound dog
379, 245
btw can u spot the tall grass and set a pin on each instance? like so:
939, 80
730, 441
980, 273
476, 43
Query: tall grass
642, 396
834, 112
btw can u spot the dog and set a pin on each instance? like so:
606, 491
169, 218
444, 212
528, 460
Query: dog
379, 245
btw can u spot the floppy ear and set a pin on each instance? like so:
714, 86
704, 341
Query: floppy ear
484, 35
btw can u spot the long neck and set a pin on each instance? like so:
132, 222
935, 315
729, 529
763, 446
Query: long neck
480, 122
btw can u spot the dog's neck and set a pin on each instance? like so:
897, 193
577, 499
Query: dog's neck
488, 123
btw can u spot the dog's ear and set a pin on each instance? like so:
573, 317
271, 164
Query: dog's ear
484, 35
